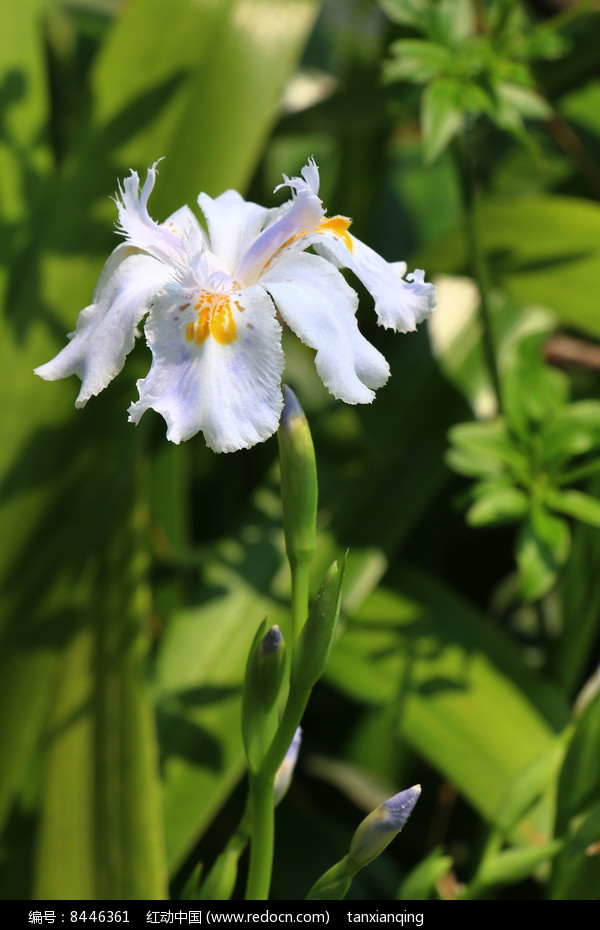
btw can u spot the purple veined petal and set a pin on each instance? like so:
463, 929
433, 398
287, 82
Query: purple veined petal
229, 389
319, 306
106, 330
139, 229
233, 224
400, 303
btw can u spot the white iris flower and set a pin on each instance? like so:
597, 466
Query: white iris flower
212, 300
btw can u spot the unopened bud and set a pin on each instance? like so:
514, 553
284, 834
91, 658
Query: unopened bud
316, 639
298, 480
380, 827
262, 683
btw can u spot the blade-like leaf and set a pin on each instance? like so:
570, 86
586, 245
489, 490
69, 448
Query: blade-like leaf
458, 687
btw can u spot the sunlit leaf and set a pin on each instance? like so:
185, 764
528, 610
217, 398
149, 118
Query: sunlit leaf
441, 115
498, 505
575, 504
541, 551
457, 685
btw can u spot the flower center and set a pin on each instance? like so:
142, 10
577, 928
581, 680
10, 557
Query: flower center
215, 318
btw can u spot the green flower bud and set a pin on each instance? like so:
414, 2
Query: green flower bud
316, 639
262, 684
380, 827
298, 480
369, 840
270, 663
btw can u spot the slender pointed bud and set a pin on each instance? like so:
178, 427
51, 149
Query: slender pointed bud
262, 683
283, 775
380, 827
298, 480
271, 666
316, 639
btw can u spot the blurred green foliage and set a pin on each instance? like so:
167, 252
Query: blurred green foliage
135, 573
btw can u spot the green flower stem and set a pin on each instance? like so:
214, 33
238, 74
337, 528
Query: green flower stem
478, 263
261, 798
263, 833
300, 571
290, 721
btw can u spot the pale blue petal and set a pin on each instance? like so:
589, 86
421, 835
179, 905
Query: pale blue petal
105, 332
294, 220
233, 224
232, 393
315, 301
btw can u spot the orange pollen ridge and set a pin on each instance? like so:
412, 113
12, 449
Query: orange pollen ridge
338, 225
215, 318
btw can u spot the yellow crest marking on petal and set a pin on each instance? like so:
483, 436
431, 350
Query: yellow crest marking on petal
215, 318
338, 225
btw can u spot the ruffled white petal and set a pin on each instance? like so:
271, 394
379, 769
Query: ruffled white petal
139, 229
231, 392
294, 221
185, 225
310, 179
315, 301
233, 224
105, 332
400, 304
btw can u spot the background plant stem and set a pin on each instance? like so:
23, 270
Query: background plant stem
477, 261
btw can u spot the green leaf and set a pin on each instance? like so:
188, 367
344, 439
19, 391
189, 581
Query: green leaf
578, 787
533, 392
576, 875
532, 783
442, 116
514, 865
578, 601
498, 505
456, 685
577, 871
453, 19
575, 504
414, 13
420, 883
573, 430
484, 448
417, 60
544, 250
541, 551
101, 828
544, 42
526, 101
